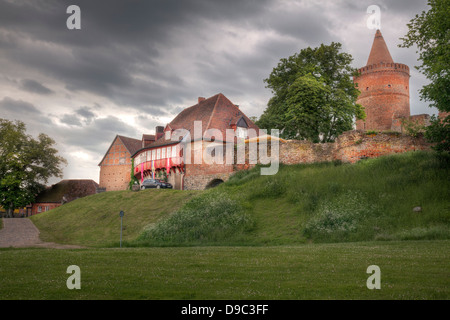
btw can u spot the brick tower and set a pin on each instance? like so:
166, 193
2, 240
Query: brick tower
384, 87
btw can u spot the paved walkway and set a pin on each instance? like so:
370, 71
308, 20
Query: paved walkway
22, 233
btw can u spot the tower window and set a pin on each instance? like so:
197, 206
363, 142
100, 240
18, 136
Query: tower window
367, 88
389, 85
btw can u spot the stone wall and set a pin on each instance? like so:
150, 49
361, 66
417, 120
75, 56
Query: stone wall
350, 147
201, 181
353, 146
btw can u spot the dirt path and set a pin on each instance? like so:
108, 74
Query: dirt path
22, 233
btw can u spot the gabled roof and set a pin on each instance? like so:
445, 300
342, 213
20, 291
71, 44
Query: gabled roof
216, 112
131, 144
379, 52
67, 190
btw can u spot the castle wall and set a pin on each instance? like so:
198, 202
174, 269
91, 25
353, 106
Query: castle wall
198, 176
350, 147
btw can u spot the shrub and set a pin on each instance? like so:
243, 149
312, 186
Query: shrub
209, 218
335, 219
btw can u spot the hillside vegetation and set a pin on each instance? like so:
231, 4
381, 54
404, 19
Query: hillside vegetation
325, 202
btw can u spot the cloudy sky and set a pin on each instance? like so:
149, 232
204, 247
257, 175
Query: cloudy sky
134, 64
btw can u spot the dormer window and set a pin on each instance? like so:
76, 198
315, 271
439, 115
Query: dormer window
241, 128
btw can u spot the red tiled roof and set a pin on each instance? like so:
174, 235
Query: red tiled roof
216, 112
379, 52
131, 144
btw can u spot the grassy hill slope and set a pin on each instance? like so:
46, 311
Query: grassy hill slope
326, 202
94, 220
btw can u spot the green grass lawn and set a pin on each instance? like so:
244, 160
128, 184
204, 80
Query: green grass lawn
409, 270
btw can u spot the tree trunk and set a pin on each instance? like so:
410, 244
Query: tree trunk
9, 212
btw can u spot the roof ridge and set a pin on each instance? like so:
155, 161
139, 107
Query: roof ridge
219, 95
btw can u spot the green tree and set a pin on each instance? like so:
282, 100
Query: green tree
430, 32
26, 164
314, 96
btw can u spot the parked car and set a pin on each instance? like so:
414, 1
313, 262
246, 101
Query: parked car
165, 184
155, 183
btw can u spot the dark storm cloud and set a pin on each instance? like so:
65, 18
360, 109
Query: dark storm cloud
34, 86
117, 40
18, 106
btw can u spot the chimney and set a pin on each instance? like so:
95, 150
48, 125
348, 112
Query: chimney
200, 99
159, 131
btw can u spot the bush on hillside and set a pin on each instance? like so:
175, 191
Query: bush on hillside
335, 219
209, 218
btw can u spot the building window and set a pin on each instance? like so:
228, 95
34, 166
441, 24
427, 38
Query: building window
389, 85
367, 88
174, 152
168, 152
158, 154
47, 208
241, 132
39, 209
163, 153
153, 154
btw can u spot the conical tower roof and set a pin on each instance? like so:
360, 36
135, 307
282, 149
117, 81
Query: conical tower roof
379, 52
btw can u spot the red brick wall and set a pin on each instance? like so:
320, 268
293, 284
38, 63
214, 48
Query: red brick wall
199, 175
351, 146
384, 95
115, 168
115, 177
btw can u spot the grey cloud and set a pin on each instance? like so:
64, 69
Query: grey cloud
34, 86
18, 106
71, 120
85, 112
81, 117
